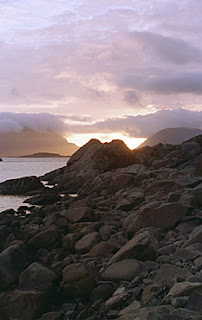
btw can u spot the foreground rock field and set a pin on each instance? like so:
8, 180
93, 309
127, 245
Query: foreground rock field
119, 236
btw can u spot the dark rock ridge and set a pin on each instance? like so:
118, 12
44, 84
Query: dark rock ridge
118, 237
171, 136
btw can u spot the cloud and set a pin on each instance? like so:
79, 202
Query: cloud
145, 125
171, 83
169, 49
43, 122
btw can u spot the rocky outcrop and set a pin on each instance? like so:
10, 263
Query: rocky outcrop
126, 245
20, 186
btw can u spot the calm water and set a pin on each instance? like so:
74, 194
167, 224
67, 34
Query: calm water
11, 168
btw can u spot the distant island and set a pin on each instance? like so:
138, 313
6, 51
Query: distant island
44, 155
27, 141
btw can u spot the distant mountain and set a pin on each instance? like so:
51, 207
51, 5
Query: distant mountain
15, 144
43, 155
171, 136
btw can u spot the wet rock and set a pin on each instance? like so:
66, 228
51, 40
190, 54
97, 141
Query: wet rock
47, 239
20, 186
44, 199
126, 270
37, 277
12, 261
87, 242
142, 247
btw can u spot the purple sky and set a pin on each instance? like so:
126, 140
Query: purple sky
102, 61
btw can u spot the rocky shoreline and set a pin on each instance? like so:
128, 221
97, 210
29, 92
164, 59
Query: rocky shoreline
119, 236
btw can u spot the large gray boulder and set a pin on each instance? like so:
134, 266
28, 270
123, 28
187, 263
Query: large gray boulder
12, 261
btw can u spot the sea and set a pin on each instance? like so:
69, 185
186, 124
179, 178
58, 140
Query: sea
12, 168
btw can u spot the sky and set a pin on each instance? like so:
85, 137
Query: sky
103, 68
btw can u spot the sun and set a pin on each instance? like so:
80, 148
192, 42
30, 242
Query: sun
81, 139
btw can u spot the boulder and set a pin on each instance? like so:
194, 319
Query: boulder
47, 239
20, 186
142, 247
95, 157
22, 305
132, 201
198, 169
195, 236
81, 211
164, 216
102, 291
132, 312
12, 261
37, 277
78, 280
87, 242
181, 289
44, 199
169, 274
124, 270
105, 248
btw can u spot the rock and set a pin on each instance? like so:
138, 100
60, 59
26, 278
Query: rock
95, 157
51, 316
198, 169
12, 261
20, 186
142, 247
116, 301
182, 289
103, 291
132, 201
157, 313
78, 280
190, 148
195, 301
188, 253
150, 292
37, 277
22, 305
167, 250
44, 199
168, 275
164, 216
195, 236
80, 211
87, 242
124, 270
47, 239
105, 248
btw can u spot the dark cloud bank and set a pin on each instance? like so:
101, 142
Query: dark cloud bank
133, 126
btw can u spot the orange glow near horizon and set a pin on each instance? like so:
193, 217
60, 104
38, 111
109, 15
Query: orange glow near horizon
81, 139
